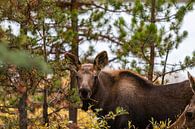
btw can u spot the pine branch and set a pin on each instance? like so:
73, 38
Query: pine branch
172, 71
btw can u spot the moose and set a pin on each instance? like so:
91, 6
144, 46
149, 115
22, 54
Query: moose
106, 89
187, 119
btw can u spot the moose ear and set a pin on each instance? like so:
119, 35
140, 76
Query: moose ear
72, 61
101, 60
192, 82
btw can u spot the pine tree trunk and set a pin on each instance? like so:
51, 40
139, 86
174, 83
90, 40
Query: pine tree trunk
151, 63
164, 68
45, 106
22, 108
45, 90
22, 105
152, 46
74, 45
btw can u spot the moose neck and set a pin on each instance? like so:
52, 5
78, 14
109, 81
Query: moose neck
101, 89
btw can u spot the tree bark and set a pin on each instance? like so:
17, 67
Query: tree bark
152, 46
74, 45
22, 108
45, 106
45, 90
22, 105
164, 68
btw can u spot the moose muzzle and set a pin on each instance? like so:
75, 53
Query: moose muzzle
85, 93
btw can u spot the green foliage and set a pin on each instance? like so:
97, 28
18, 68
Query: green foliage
103, 121
112, 115
73, 96
22, 59
146, 32
161, 124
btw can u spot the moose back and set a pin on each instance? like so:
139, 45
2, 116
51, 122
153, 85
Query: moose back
109, 89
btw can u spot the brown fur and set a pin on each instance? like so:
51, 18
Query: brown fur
187, 118
141, 98
109, 89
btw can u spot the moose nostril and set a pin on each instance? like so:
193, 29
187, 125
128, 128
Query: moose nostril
84, 93
189, 115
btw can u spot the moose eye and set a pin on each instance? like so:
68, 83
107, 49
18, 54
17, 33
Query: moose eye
95, 77
189, 115
78, 77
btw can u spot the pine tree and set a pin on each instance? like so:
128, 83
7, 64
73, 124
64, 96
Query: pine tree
154, 31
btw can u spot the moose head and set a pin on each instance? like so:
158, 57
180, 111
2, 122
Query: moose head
190, 109
187, 118
87, 74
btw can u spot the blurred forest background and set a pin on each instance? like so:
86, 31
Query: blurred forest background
36, 88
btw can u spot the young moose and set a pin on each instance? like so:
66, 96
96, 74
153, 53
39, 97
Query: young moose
187, 118
109, 89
